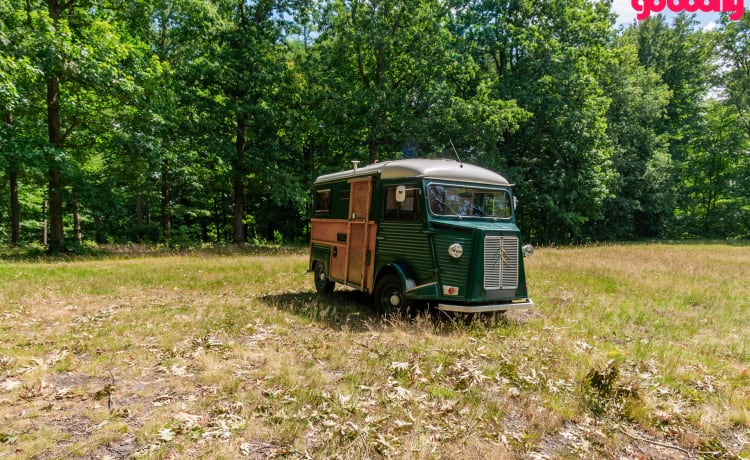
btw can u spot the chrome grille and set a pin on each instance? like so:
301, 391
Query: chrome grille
500, 262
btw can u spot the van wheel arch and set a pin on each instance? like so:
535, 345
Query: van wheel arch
390, 284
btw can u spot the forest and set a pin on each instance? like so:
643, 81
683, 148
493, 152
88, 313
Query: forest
188, 122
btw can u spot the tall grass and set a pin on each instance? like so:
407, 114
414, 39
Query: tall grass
631, 350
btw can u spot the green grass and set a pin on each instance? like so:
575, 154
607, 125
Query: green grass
631, 350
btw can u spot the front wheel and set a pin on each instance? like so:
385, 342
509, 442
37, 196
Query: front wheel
322, 284
389, 295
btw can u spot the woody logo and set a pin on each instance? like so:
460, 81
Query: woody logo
735, 8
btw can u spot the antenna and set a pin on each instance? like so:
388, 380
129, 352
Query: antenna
456, 152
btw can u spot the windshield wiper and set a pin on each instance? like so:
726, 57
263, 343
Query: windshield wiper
479, 210
446, 205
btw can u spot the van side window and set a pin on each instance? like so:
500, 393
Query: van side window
409, 209
323, 201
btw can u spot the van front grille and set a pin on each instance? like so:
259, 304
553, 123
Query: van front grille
500, 262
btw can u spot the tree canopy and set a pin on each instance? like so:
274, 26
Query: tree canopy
205, 121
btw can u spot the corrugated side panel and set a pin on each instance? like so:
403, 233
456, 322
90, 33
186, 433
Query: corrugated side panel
405, 242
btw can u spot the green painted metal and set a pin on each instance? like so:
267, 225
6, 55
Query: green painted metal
417, 251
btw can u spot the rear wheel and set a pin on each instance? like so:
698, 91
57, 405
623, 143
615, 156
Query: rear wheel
389, 295
322, 284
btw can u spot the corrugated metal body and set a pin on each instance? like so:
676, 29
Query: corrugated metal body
405, 243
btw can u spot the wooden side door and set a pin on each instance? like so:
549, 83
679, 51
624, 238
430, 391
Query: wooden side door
361, 235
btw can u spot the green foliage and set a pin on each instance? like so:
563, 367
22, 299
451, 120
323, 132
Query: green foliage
604, 392
550, 58
715, 167
175, 120
637, 207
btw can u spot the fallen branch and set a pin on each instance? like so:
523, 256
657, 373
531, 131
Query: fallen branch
656, 443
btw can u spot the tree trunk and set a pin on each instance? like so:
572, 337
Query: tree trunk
55, 242
138, 210
217, 221
98, 229
308, 153
373, 150
165, 219
147, 213
15, 215
140, 229
77, 221
238, 224
44, 221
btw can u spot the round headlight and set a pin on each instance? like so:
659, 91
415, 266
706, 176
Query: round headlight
456, 250
528, 250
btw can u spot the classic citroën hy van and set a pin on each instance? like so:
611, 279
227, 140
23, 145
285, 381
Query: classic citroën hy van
439, 232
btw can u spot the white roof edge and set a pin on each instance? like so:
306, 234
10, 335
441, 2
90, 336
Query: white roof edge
421, 167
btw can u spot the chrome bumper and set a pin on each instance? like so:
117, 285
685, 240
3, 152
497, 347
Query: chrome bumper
528, 303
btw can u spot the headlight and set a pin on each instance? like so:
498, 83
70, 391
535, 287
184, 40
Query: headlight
455, 250
528, 250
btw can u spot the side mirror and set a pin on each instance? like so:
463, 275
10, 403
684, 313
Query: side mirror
515, 202
400, 194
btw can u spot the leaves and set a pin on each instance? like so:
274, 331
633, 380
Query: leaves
183, 122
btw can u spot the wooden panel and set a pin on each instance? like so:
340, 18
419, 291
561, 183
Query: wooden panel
357, 248
352, 240
338, 264
372, 232
327, 230
359, 199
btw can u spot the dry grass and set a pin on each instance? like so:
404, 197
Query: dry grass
637, 351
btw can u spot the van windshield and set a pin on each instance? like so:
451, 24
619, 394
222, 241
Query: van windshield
466, 201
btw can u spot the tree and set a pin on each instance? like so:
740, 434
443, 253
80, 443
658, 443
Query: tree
237, 74
17, 75
733, 47
642, 192
79, 53
718, 157
681, 54
549, 57
390, 75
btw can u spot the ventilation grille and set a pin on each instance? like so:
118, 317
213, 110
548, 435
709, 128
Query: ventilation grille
500, 262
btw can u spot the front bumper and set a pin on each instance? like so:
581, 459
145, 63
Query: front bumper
527, 303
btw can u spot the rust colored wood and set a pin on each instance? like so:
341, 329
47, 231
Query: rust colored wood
359, 217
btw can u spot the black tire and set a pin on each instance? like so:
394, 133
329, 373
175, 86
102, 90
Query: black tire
322, 284
389, 295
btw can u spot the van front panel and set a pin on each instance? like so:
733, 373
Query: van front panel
455, 273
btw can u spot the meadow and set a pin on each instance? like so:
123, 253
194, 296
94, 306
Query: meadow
632, 351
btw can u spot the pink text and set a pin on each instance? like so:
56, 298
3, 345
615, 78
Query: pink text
735, 8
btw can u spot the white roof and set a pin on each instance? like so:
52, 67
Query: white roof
423, 168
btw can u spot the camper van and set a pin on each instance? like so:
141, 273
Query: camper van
420, 231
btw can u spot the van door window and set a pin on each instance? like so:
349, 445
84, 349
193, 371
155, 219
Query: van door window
409, 209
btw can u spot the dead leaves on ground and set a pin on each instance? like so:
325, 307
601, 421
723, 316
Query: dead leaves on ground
383, 398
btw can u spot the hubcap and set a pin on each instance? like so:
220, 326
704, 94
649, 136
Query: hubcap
395, 299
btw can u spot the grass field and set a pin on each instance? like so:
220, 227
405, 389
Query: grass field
632, 351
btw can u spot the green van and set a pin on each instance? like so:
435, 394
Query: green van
440, 232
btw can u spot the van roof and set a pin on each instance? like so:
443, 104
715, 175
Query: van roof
420, 167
